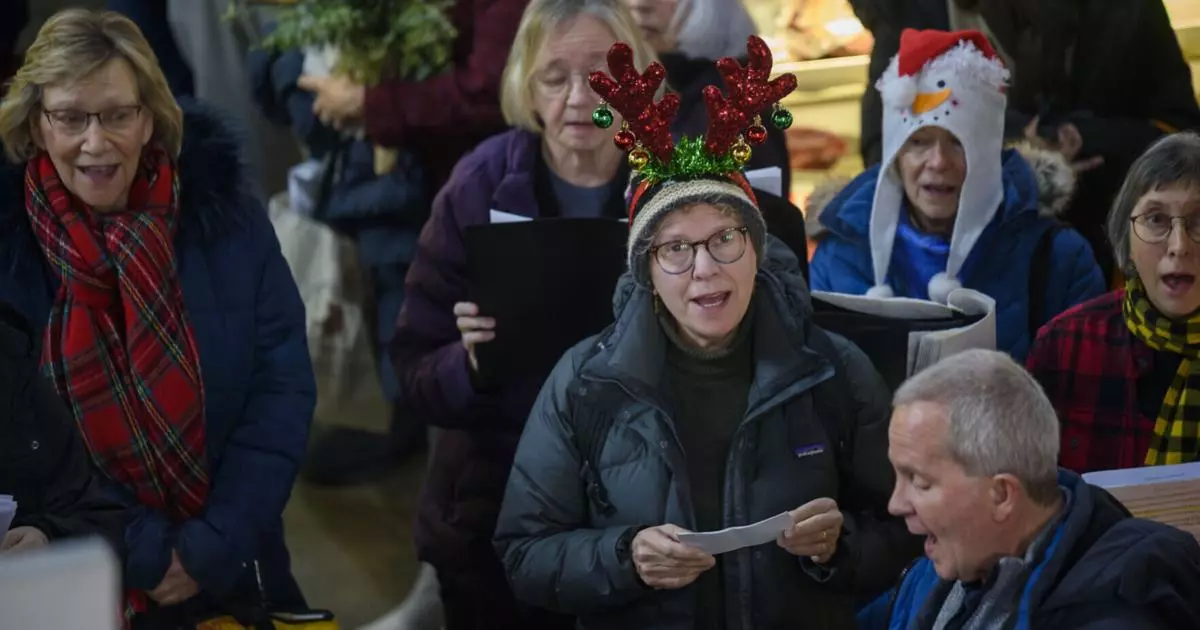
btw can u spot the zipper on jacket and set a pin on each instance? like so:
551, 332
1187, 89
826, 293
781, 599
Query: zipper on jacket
891, 608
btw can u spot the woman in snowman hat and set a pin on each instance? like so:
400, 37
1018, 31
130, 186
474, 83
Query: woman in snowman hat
949, 206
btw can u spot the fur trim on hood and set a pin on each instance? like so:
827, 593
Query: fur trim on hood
1055, 180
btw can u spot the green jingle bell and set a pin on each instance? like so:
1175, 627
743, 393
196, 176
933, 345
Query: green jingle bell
602, 117
781, 118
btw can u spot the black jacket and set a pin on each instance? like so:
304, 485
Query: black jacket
573, 502
1128, 84
43, 464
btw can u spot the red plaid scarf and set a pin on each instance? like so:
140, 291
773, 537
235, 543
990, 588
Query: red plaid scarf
118, 345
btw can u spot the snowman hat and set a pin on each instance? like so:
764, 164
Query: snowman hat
956, 81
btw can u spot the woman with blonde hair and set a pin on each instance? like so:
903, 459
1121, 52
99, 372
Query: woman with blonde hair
167, 318
554, 163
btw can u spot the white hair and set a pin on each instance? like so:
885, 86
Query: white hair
1000, 420
711, 29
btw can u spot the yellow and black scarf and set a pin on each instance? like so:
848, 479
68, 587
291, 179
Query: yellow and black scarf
1177, 429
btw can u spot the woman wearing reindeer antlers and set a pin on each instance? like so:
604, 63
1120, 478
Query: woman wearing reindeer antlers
712, 402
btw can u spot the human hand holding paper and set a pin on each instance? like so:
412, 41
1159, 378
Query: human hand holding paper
23, 539
663, 562
475, 329
815, 530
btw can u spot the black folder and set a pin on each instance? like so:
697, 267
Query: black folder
548, 283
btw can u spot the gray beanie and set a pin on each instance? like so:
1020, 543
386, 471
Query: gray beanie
655, 203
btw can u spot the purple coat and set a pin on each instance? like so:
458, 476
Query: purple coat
474, 451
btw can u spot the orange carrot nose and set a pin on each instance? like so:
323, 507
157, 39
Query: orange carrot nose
927, 101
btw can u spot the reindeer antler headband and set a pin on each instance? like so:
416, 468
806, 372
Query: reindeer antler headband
732, 120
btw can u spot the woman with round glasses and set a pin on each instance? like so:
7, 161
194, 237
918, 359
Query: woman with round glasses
711, 402
166, 316
1122, 369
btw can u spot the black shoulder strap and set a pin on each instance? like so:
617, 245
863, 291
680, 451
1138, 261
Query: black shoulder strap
1039, 278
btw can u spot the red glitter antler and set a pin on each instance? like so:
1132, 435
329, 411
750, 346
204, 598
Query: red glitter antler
750, 92
632, 94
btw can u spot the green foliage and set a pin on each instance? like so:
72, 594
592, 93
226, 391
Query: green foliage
691, 160
376, 39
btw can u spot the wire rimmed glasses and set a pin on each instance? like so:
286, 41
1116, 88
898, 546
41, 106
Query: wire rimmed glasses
74, 122
1155, 227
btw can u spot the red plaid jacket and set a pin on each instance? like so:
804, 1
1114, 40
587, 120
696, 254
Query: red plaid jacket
1090, 364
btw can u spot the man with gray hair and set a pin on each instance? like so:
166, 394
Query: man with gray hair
1011, 540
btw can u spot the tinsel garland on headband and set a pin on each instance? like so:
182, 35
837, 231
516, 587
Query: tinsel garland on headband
646, 131
690, 160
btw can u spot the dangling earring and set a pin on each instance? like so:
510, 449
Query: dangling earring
656, 303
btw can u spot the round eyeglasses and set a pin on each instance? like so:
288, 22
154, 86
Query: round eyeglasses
1155, 227
726, 247
74, 122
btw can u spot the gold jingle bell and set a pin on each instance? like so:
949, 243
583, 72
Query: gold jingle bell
741, 152
638, 159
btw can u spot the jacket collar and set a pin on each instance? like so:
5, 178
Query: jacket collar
515, 192
215, 193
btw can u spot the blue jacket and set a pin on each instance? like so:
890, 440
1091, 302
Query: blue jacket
1102, 570
1000, 263
248, 321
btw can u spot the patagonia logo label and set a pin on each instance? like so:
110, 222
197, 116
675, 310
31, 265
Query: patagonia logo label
809, 450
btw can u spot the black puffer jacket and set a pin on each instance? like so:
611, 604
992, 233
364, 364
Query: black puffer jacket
43, 464
564, 551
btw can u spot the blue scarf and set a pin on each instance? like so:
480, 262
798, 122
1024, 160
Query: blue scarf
916, 258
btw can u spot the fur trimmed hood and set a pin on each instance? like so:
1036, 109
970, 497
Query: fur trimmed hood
1054, 179
215, 187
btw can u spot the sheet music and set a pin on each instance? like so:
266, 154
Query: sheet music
928, 347
768, 179
8, 511
734, 538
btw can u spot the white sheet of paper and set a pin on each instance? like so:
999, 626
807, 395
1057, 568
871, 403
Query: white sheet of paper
8, 511
1109, 479
733, 538
768, 179
499, 216
928, 347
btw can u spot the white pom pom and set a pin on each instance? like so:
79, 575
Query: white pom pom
940, 287
899, 92
880, 291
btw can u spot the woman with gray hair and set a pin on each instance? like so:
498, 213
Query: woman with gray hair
688, 36
1122, 369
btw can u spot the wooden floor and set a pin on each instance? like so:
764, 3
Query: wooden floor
352, 548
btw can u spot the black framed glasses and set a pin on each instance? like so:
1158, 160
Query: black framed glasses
726, 247
74, 122
1155, 227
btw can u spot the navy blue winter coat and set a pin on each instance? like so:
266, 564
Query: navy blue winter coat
249, 324
1102, 570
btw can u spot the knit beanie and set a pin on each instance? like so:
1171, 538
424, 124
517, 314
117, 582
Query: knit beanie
670, 176
952, 80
